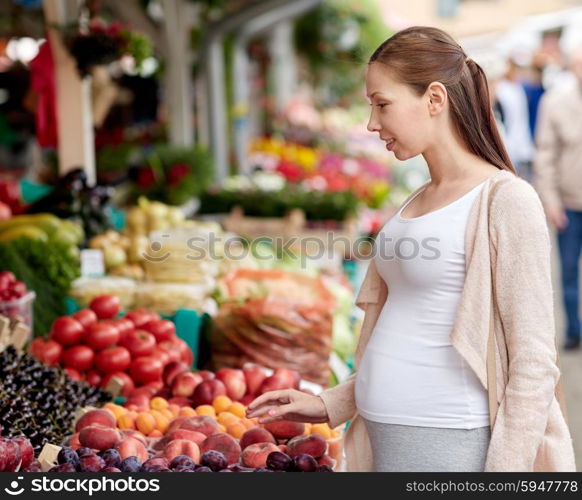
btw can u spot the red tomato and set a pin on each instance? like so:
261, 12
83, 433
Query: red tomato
113, 359
67, 330
46, 351
86, 317
139, 343
19, 288
146, 369
171, 349
79, 357
72, 373
128, 385
140, 317
94, 377
161, 354
106, 306
101, 335
162, 329
124, 326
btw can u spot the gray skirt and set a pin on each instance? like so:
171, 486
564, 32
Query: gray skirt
405, 448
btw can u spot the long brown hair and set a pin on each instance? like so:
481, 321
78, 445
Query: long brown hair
420, 55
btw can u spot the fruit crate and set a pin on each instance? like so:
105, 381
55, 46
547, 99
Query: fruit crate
21, 309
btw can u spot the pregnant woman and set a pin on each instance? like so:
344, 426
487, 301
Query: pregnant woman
457, 365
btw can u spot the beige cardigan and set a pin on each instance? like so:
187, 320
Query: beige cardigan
530, 431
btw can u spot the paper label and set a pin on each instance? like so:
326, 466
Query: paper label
92, 264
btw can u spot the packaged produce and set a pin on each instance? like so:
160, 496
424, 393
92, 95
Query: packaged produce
85, 289
167, 298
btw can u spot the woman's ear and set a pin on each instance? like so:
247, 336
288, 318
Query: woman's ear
437, 97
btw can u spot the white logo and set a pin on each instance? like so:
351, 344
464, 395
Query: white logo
14, 485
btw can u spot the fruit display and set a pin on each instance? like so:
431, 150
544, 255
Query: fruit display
83, 290
39, 401
16, 301
95, 345
17, 454
43, 227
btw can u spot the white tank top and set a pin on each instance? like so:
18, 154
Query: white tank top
410, 374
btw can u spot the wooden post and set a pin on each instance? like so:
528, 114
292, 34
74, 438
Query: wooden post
76, 146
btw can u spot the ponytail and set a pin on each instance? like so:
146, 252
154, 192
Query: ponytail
421, 55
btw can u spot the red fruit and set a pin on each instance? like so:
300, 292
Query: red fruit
124, 325
247, 399
256, 435
94, 377
312, 444
146, 369
67, 330
47, 351
79, 357
100, 335
162, 329
180, 401
207, 375
285, 429
274, 383
182, 447
5, 211
186, 354
19, 288
12, 454
73, 374
256, 454
172, 350
206, 391
86, 317
26, 451
185, 384
291, 376
95, 417
225, 444
139, 317
171, 370
99, 437
113, 359
161, 354
254, 376
234, 381
106, 306
127, 382
200, 423
131, 447
139, 343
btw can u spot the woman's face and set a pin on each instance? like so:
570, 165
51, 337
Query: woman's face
400, 117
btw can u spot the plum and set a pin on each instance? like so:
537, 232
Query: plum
183, 469
324, 468
26, 451
91, 463
213, 459
182, 461
110, 469
111, 457
277, 460
203, 469
158, 468
83, 451
68, 467
304, 463
68, 456
130, 464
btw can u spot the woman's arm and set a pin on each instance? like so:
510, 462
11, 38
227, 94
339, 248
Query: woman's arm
524, 299
340, 402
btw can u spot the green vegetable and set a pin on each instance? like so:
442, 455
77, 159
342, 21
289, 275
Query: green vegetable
48, 269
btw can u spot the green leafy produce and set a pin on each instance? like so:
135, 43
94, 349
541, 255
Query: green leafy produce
48, 269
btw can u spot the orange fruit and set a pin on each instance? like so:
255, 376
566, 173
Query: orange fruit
307, 428
322, 429
116, 410
221, 403
206, 410
167, 413
155, 434
238, 409
187, 412
226, 418
248, 423
221, 428
175, 409
126, 421
236, 429
158, 403
162, 423
145, 423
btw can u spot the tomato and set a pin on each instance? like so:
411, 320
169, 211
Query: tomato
113, 359
162, 329
106, 306
146, 369
124, 326
86, 317
46, 351
72, 373
101, 335
67, 330
171, 349
6, 278
94, 377
19, 288
79, 357
139, 317
161, 354
127, 382
139, 343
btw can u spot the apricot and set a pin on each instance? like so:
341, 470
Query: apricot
225, 444
221, 403
186, 411
126, 421
115, 409
145, 422
237, 409
158, 403
256, 454
162, 423
207, 410
236, 429
226, 418
322, 429
174, 408
155, 434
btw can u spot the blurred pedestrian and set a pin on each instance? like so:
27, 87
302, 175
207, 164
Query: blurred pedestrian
558, 180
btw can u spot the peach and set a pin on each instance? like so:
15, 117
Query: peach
185, 384
256, 454
99, 437
201, 423
74, 441
327, 460
145, 423
275, 383
282, 448
206, 374
134, 434
206, 391
312, 444
172, 370
256, 435
131, 447
234, 381
254, 376
225, 444
99, 417
181, 401
141, 401
247, 399
285, 428
176, 423
174, 409
292, 376
195, 436
182, 447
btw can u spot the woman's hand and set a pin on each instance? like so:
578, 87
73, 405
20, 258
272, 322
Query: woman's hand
288, 404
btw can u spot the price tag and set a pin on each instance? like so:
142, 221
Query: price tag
92, 264
48, 456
